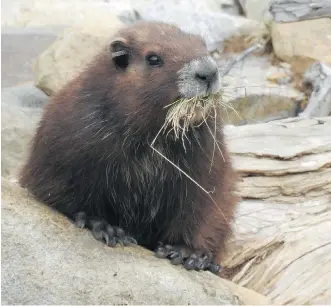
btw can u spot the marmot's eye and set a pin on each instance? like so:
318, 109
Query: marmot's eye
154, 60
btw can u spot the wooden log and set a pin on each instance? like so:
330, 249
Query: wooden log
284, 11
281, 242
319, 104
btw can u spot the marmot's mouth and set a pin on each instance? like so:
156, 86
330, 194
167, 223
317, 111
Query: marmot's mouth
186, 112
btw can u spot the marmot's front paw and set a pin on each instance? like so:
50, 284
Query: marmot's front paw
102, 231
189, 258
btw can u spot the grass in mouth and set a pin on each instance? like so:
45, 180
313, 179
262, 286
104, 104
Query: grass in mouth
181, 113
180, 117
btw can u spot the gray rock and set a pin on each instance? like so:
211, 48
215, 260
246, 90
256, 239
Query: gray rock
46, 260
21, 108
319, 77
256, 9
303, 40
193, 17
19, 49
253, 96
298, 10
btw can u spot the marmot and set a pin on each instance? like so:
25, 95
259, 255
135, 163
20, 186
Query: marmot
92, 161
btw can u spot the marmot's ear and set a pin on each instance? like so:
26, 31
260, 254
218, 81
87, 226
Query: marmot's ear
120, 53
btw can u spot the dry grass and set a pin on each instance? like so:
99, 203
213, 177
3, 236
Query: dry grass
184, 114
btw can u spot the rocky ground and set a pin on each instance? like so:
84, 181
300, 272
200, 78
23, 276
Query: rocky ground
280, 250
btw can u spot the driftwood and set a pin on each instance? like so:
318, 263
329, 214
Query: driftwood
319, 105
282, 235
298, 10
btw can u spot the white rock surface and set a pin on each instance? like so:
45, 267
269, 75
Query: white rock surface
21, 109
72, 50
19, 49
254, 96
27, 13
197, 18
304, 39
256, 9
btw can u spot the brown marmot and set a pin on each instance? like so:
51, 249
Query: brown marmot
91, 157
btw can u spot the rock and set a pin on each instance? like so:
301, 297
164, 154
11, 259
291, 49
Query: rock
297, 10
21, 108
319, 77
309, 39
19, 49
231, 7
32, 13
195, 17
256, 9
47, 260
252, 98
64, 58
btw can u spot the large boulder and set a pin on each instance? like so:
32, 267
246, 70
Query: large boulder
257, 91
46, 260
309, 39
255, 9
35, 13
72, 51
21, 108
27, 43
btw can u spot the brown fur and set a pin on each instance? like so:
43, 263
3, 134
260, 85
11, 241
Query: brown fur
91, 151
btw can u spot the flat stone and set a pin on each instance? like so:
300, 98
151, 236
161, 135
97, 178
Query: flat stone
310, 39
195, 17
19, 49
64, 59
47, 260
21, 109
251, 97
32, 13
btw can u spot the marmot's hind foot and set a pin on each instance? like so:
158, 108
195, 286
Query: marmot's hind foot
189, 258
102, 231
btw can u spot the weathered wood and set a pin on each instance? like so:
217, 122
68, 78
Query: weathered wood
319, 104
281, 242
297, 10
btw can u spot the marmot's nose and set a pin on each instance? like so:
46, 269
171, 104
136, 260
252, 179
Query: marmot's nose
207, 75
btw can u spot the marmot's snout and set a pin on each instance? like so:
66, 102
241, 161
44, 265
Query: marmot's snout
199, 77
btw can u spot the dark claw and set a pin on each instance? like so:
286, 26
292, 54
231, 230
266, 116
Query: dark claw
161, 252
175, 257
189, 258
129, 240
201, 263
119, 232
213, 268
80, 219
189, 263
98, 231
112, 242
102, 231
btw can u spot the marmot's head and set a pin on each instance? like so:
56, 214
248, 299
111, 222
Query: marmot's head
152, 64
